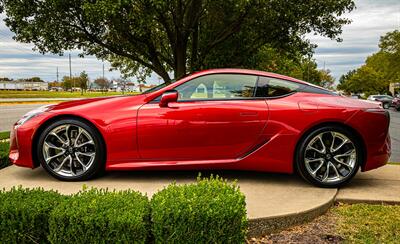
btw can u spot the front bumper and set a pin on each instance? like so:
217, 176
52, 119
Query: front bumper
21, 139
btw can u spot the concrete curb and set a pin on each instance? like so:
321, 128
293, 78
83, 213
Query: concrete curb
263, 226
355, 201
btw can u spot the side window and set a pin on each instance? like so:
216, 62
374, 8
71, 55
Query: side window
218, 87
272, 87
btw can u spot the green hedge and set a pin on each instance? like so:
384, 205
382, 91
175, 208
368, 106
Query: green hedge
209, 211
100, 216
4, 151
24, 214
4, 135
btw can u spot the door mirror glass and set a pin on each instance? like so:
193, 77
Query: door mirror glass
168, 97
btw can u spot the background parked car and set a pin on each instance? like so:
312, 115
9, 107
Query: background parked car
396, 103
356, 96
386, 100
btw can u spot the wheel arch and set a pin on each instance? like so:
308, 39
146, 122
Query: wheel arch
332, 123
43, 126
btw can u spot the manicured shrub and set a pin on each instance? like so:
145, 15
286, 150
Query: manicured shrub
209, 211
4, 150
100, 216
24, 214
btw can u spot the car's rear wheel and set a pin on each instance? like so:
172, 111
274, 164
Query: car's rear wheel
71, 150
329, 156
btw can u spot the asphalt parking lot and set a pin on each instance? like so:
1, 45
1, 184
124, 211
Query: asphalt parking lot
9, 114
395, 135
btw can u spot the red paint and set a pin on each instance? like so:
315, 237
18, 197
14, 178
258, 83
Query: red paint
253, 134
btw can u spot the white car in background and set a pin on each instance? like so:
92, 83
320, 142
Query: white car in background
386, 100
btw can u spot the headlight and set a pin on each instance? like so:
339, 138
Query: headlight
32, 114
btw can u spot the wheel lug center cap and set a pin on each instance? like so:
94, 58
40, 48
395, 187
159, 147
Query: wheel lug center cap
328, 156
70, 149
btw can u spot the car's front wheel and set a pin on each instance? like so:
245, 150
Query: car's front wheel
71, 150
329, 156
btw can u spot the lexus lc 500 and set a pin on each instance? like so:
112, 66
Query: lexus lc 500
216, 119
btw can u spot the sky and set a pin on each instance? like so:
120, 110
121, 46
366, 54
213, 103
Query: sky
370, 20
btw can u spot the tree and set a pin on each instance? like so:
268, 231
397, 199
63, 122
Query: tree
174, 35
103, 83
66, 83
327, 79
295, 65
35, 79
83, 81
379, 70
343, 81
55, 84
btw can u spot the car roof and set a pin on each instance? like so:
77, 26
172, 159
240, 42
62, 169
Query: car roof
248, 72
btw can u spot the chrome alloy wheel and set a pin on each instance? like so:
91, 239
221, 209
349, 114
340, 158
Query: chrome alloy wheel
330, 157
69, 150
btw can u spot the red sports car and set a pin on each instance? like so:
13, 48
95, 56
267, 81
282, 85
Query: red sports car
216, 119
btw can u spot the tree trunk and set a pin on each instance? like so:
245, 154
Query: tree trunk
195, 44
180, 60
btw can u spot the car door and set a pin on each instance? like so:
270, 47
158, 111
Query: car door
216, 117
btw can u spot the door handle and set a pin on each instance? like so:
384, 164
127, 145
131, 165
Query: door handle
248, 114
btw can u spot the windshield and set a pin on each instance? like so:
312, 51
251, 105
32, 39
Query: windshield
156, 88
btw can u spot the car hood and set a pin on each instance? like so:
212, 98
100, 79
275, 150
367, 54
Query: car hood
99, 102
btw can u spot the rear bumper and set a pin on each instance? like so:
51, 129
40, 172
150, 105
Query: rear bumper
373, 127
378, 156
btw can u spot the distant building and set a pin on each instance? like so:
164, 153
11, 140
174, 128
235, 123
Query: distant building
394, 88
23, 85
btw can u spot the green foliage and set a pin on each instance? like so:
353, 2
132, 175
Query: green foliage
24, 214
365, 223
100, 216
178, 36
103, 83
80, 81
4, 135
4, 149
292, 64
209, 211
379, 70
83, 81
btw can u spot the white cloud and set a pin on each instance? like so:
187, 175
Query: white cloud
371, 20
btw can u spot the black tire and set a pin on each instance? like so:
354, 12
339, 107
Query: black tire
98, 163
386, 105
300, 164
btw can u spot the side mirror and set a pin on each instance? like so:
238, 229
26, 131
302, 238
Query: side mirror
168, 97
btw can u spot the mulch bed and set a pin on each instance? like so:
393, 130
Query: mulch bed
320, 230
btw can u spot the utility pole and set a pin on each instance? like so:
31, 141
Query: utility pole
70, 71
57, 74
103, 70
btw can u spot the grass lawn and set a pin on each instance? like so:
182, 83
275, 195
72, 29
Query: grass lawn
366, 223
344, 223
54, 94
